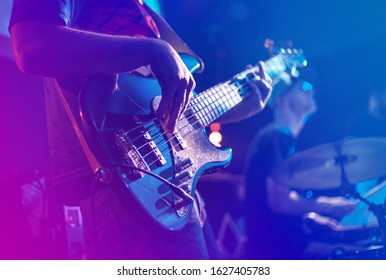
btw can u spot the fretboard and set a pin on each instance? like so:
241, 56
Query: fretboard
212, 103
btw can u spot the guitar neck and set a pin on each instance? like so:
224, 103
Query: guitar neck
214, 102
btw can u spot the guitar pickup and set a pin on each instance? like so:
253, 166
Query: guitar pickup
130, 153
183, 164
192, 117
183, 177
179, 141
160, 159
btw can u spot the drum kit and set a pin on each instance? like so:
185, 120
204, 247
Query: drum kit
356, 168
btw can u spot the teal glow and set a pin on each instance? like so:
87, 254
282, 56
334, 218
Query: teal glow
155, 5
306, 86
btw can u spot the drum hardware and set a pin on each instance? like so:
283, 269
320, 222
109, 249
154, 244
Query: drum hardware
340, 165
373, 190
348, 189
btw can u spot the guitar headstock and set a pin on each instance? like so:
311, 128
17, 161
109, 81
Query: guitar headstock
290, 58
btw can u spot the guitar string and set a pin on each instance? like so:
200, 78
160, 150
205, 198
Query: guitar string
228, 98
166, 142
210, 90
193, 115
283, 61
167, 149
245, 72
206, 92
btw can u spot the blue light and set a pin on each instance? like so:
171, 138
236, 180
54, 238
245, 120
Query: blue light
155, 5
306, 86
309, 194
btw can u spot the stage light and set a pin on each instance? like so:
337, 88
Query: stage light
215, 127
215, 138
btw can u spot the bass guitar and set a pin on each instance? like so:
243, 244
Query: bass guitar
158, 168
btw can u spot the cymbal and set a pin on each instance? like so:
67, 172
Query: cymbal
320, 167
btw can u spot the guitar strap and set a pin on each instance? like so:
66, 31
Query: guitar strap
94, 163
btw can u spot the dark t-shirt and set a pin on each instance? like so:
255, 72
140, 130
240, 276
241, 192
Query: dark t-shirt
270, 235
70, 167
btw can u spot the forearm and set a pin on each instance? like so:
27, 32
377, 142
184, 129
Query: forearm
59, 51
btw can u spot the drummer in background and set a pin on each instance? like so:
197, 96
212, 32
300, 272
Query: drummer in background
274, 212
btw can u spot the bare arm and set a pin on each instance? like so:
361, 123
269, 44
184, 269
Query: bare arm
59, 51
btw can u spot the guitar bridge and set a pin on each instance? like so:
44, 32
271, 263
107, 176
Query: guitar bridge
141, 152
130, 153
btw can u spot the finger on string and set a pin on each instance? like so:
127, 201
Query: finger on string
188, 95
176, 108
163, 111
